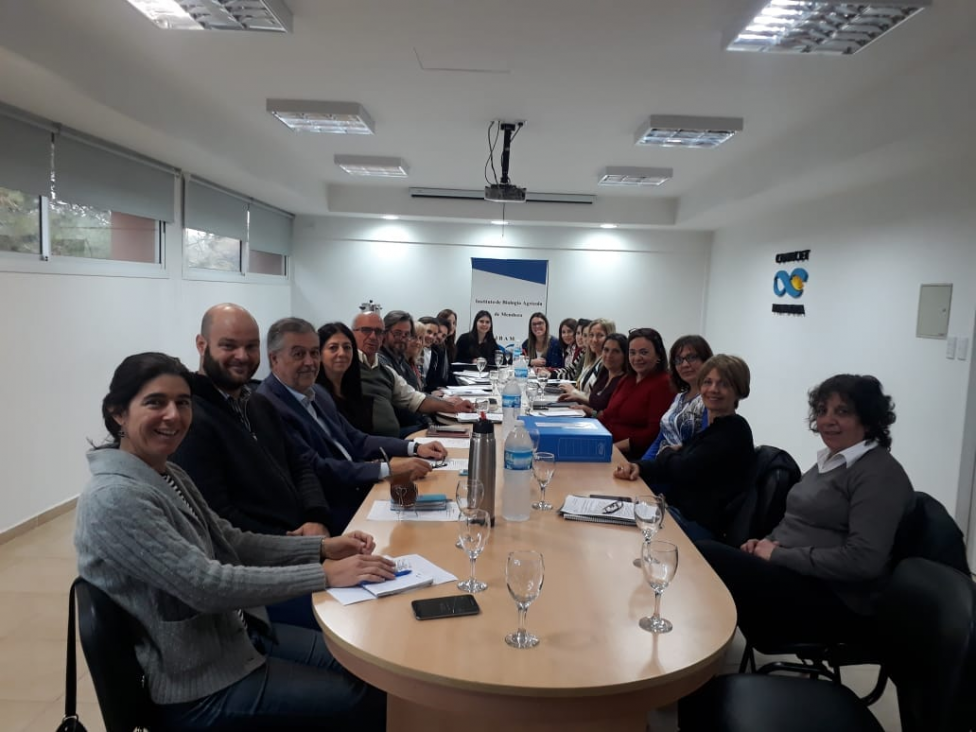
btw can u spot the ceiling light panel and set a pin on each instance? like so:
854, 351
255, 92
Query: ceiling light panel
835, 28
694, 132
635, 177
373, 167
239, 15
337, 118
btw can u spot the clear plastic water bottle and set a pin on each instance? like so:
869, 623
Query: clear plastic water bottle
517, 489
511, 405
521, 369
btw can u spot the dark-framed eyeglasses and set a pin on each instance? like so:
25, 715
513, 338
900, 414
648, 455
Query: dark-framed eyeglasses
689, 359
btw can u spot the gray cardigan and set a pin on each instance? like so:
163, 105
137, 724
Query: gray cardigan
181, 581
840, 526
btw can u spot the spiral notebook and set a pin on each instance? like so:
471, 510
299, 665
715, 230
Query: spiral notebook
598, 510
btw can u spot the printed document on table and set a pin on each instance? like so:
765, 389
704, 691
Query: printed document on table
422, 574
454, 464
593, 508
382, 511
448, 442
464, 417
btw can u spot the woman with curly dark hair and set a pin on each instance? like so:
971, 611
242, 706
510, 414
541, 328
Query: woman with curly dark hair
818, 574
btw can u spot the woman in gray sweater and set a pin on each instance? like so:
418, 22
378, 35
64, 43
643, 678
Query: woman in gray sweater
817, 576
195, 586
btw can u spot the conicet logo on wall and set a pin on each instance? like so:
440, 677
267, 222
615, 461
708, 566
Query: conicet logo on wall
790, 283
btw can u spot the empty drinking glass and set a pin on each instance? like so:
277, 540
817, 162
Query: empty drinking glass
469, 495
660, 562
531, 392
480, 363
524, 574
499, 358
543, 467
473, 530
649, 514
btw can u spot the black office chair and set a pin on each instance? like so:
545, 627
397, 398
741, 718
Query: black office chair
759, 509
109, 646
926, 621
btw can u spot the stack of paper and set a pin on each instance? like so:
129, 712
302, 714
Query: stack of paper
598, 510
422, 574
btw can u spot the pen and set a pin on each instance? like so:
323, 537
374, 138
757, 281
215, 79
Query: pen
625, 499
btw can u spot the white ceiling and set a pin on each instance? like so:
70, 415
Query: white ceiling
582, 74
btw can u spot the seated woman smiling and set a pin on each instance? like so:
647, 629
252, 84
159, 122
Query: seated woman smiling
196, 586
479, 342
615, 366
687, 414
818, 575
705, 473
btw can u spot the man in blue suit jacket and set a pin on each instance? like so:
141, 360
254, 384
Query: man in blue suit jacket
346, 461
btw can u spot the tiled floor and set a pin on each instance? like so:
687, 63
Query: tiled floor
36, 570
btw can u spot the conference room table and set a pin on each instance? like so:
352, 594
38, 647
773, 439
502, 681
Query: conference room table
594, 668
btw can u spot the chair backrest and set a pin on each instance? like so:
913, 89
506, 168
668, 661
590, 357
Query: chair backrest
928, 531
757, 511
925, 622
109, 646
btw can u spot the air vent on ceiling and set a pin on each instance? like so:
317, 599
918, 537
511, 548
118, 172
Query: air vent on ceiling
634, 177
822, 26
669, 130
234, 15
479, 195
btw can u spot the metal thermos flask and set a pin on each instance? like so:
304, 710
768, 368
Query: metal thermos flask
481, 462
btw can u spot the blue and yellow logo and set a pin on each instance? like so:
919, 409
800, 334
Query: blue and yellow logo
791, 283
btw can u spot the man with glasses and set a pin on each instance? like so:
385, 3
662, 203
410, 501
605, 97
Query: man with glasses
388, 388
346, 461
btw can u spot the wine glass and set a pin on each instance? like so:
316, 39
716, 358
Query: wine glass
543, 466
660, 562
469, 495
499, 358
524, 574
473, 530
481, 362
649, 514
493, 380
531, 392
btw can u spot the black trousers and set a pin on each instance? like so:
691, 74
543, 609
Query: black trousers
777, 605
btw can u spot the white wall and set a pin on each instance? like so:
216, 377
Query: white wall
870, 251
638, 278
64, 336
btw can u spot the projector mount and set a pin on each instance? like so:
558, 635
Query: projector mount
503, 191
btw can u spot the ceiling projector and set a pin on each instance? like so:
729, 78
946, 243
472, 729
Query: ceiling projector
504, 193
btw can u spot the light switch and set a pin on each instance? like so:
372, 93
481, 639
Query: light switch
962, 349
951, 347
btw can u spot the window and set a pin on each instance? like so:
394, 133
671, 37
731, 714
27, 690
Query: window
265, 263
210, 251
20, 222
95, 233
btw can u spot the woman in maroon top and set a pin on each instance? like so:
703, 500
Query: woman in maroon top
633, 416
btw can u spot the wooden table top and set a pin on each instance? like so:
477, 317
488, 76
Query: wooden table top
586, 616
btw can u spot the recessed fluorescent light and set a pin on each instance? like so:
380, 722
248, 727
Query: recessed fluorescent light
239, 15
665, 130
819, 26
627, 176
390, 217
500, 222
608, 226
339, 118
372, 166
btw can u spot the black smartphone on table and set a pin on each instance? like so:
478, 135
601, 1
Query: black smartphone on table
453, 606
